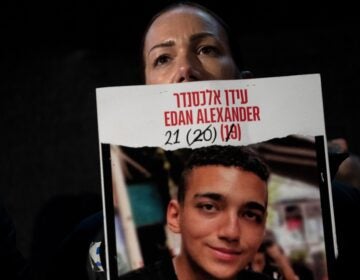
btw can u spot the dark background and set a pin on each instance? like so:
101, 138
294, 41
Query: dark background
54, 55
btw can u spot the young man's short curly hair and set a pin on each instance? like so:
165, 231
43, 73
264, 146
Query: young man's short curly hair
236, 156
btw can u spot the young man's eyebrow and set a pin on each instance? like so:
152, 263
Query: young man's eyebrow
165, 44
211, 195
255, 206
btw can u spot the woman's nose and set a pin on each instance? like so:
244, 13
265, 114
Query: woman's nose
186, 69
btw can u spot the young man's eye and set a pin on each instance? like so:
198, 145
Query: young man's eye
208, 50
160, 60
253, 216
207, 207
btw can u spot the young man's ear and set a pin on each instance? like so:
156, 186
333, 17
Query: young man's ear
173, 216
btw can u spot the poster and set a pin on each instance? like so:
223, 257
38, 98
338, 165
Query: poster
147, 132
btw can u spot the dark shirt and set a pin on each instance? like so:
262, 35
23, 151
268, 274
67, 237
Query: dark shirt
72, 260
164, 270
12, 264
346, 210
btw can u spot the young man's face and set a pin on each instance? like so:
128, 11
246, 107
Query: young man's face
221, 221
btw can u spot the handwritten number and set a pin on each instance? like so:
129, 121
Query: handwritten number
172, 137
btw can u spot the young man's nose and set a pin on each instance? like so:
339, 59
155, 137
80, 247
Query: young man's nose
230, 228
186, 69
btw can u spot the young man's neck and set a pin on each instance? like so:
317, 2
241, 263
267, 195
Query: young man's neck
184, 270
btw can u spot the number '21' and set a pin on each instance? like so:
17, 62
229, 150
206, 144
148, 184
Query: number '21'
172, 137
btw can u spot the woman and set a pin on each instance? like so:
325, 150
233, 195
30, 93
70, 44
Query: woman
183, 43
187, 42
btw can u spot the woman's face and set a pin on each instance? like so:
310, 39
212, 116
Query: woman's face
186, 44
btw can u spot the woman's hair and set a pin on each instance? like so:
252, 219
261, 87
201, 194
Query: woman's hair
233, 43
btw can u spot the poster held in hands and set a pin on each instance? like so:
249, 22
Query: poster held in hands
147, 132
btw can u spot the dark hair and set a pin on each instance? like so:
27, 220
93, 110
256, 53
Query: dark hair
233, 43
237, 156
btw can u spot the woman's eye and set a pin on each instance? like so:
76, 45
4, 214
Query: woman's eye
209, 50
162, 59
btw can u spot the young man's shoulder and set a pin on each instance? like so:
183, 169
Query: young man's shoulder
163, 270
250, 275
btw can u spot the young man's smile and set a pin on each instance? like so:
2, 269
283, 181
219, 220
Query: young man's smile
221, 221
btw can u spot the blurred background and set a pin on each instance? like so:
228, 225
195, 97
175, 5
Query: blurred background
54, 55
